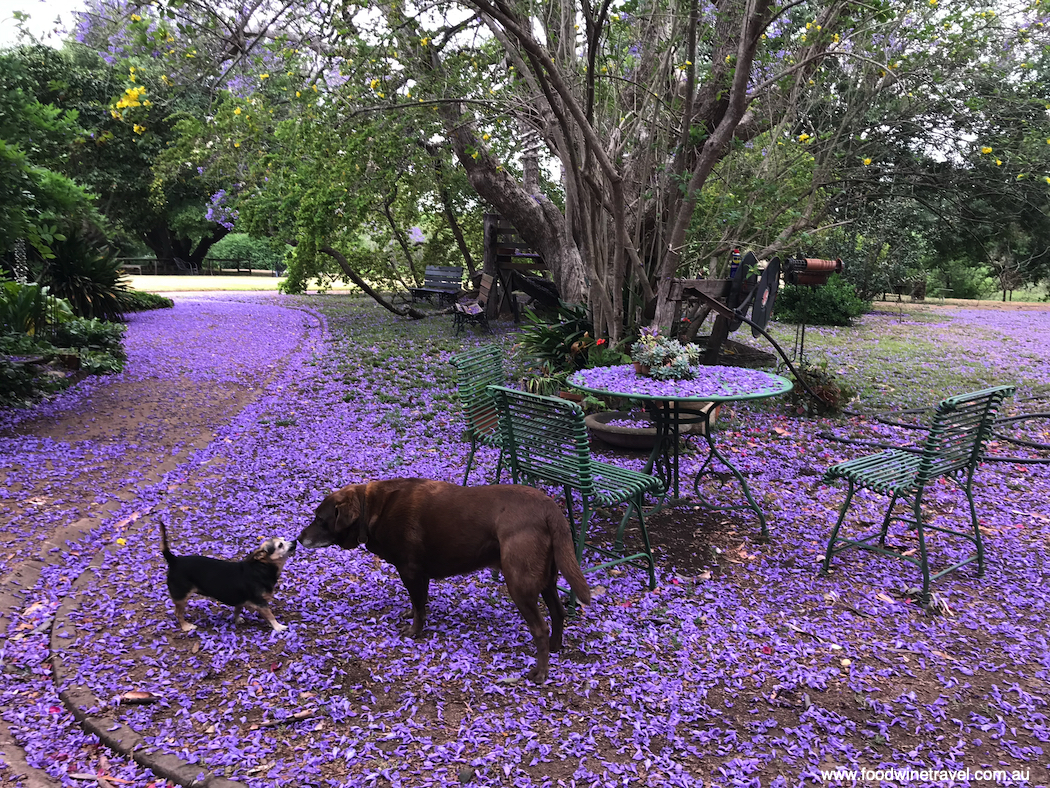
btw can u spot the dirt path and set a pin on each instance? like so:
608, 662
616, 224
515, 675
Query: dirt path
69, 468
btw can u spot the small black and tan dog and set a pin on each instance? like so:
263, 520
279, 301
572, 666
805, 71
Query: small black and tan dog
246, 583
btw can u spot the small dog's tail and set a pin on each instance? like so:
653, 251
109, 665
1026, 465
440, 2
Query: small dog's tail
565, 554
164, 549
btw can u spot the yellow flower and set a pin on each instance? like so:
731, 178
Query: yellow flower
474, 155
424, 41
998, 162
131, 77
1047, 179
803, 137
122, 541
264, 76
485, 137
136, 18
237, 111
867, 162
236, 144
298, 94
933, 2
986, 149
138, 129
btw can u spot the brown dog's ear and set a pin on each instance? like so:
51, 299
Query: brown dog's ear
349, 511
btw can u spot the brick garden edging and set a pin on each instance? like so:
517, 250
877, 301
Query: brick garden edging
87, 709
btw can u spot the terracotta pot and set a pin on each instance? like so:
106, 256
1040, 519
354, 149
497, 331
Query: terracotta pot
572, 396
641, 369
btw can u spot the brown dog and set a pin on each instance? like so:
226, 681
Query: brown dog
430, 529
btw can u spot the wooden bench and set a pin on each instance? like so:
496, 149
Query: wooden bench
952, 449
443, 281
474, 311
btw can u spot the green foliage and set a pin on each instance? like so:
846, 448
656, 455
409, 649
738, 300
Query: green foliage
30, 308
832, 393
16, 384
833, 304
962, 279
91, 334
140, 301
562, 344
258, 253
95, 362
90, 279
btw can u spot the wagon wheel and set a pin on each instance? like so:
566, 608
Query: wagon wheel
765, 295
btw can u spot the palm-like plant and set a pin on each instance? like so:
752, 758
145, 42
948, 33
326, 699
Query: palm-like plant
88, 277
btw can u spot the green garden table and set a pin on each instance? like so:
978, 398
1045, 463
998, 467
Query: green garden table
672, 404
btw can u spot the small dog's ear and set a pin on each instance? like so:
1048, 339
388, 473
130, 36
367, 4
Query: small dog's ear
261, 554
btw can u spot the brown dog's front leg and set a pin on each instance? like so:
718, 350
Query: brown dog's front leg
418, 587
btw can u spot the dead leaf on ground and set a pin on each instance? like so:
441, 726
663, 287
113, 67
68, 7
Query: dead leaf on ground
139, 697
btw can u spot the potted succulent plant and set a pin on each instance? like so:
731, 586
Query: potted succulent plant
663, 358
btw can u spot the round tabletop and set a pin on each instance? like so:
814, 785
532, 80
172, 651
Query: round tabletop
711, 384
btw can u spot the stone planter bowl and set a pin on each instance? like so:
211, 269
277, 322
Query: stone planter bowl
641, 437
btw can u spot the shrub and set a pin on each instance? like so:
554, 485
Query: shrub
831, 393
562, 344
90, 279
833, 304
139, 301
93, 335
258, 253
16, 384
30, 308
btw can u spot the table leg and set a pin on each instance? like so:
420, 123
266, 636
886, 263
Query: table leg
664, 456
713, 452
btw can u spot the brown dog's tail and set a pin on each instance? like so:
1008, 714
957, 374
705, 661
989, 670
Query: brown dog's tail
565, 554
164, 549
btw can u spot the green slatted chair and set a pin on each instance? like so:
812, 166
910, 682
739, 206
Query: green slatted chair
476, 370
545, 440
953, 448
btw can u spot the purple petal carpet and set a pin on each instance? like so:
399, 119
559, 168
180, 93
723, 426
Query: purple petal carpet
762, 675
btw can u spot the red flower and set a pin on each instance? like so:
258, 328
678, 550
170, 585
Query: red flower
600, 342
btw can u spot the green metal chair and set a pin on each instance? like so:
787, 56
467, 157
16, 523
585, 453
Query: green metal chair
476, 370
953, 448
545, 440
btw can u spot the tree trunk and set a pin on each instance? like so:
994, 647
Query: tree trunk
344, 264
